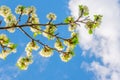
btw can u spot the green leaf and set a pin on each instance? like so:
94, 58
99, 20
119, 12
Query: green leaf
23, 7
36, 33
66, 20
75, 39
97, 17
86, 11
14, 46
90, 31
86, 14
80, 7
69, 19
7, 41
83, 10
72, 53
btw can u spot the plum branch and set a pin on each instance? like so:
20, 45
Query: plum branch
64, 46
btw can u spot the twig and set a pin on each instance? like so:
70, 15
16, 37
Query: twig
49, 33
60, 51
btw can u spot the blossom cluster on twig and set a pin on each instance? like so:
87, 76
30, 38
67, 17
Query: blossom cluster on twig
64, 46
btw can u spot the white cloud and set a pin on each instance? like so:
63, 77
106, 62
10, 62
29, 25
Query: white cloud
8, 72
41, 62
105, 43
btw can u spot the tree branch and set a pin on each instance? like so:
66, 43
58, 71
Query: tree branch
60, 51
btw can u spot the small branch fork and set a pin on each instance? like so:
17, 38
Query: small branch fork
4, 47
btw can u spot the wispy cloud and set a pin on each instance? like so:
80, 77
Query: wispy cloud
41, 62
8, 72
105, 43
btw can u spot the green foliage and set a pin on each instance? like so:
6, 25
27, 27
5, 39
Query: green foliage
58, 45
83, 10
90, 31
24, 62
51, 30
7, 46
69, 19
36, 34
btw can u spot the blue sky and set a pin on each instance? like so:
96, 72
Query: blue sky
97, 56
43, 68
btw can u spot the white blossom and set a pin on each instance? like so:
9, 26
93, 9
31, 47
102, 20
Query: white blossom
20, 9
72, 27
58, 45
10, 22
31, 46
49, 31
3, 39
12, 47
24, 62
30, 9
4, 11
51, 16
4, 54
71, 43
46, 52
10, 18
65, 57
34, 19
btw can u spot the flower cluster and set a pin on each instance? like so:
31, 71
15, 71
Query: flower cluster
4, 39
4, 54
35, 28
92, 24
33, 18
66, 56
4, 11
51, 16
9, 18
69, 19
72, 24
30, 47
97, 20
83, 10
12, 47
7, 46
72, 27
72, 42
11, 21
58, 45
46, 52
31, 10
24, 62
49, 31
20, 9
